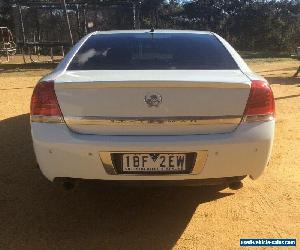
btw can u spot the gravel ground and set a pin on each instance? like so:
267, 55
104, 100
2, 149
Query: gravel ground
34, 214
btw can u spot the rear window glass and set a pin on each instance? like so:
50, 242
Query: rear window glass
142, 51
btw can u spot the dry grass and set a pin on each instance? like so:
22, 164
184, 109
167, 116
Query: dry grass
35, 215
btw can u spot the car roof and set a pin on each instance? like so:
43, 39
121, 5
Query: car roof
148, 31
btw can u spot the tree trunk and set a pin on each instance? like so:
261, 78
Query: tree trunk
297, 72
67, 20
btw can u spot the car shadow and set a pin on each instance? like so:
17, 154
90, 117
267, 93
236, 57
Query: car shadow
286, 97
275, 70
289, 80
35, 214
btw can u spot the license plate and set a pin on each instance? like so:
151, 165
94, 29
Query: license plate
154, 162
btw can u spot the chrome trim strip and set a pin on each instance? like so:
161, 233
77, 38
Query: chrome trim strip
258, 118
135, 121
46, 119
150, 84
200, 161
106, 160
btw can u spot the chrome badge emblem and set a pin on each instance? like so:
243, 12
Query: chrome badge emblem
153, 99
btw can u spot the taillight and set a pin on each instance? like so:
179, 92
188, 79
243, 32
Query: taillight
260, 105
44, 105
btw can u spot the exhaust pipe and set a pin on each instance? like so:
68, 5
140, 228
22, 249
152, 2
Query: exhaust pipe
66, 183
235, 185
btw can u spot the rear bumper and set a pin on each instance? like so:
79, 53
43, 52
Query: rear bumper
220, 182
63, 153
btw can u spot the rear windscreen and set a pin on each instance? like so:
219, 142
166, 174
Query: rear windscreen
142, 51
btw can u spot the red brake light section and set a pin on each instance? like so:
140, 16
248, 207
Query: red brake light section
44, 101
261, 100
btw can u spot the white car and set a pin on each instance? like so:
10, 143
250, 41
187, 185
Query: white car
162, 105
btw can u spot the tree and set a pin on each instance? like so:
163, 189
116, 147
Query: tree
5, 14
247, 24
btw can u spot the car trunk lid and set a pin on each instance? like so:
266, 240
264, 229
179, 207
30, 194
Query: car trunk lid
108, 102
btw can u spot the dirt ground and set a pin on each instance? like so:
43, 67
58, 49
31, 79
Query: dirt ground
36, 215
